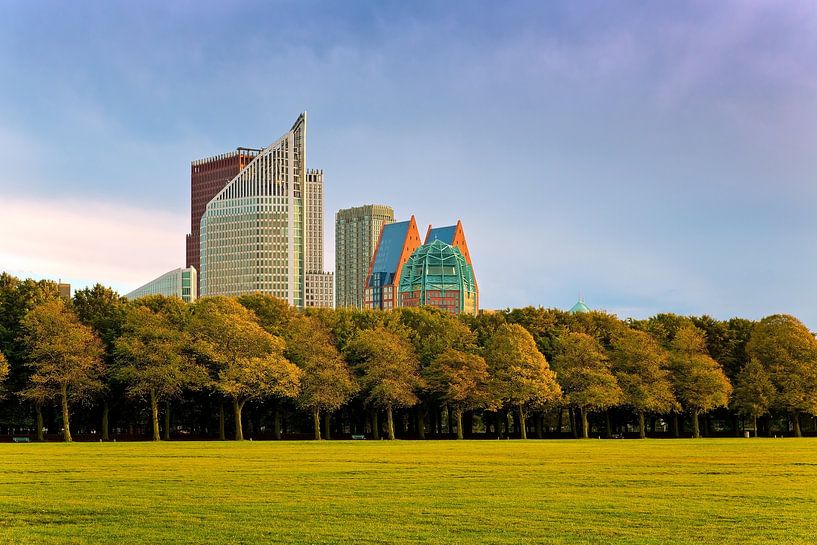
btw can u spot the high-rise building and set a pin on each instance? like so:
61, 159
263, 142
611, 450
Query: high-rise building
176, 283
207, 177
64, 289
319, 285
395, 245
263, 231
356, 233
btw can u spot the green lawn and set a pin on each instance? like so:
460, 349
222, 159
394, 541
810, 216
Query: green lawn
653, 491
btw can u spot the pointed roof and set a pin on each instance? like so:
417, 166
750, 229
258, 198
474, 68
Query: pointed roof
579, 308
452, 235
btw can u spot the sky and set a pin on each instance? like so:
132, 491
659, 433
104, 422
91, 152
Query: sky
652, 156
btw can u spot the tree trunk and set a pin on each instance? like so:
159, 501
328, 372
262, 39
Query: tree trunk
523, 432
449, 420
316, 422
375, 425
167, 420
105, 426
66, 422
754, 422
276, 423
154, 415
390, 419
585, 424
239, 431
458, 417
421, 422
642, 432
609, 424
39, 411
327, 425
796, 421
676, 425
573, 428
221, 434
559, 423
696, 427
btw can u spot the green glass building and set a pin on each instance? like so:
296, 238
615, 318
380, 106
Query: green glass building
438, 275
176, 283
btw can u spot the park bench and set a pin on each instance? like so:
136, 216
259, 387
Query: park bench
358, 437
21, 439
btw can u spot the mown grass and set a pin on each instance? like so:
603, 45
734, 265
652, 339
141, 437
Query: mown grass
646, 492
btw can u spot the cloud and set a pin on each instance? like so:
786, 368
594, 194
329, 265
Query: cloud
89, 241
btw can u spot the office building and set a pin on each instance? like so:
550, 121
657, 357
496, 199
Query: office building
440, 273
356, 233
395, 245
207, 177
263, 231
176, 283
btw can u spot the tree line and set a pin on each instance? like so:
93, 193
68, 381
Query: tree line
254, 366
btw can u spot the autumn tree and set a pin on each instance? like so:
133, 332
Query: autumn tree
103, 310
754, 392
433, 331
461, 380
640, 364
154, 359
388, 368
699, 381
520, 375
788, 350
65, 357
248, 362
583, 371
326, 381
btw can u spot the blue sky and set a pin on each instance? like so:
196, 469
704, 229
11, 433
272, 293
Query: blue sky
653, 156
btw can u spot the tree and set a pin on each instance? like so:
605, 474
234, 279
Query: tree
584, 373
154, 359
520, 375
103, 310
639, 364
249, 362
461, 380
65, 356
326, 382
754, 391
4, 374
789, 351
699, 381
389, 370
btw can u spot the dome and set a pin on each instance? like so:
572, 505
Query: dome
579, 308
437, 274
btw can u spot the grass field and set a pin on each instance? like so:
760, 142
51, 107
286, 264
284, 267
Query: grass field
653, 491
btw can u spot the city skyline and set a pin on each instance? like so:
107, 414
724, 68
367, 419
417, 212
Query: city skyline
656, 159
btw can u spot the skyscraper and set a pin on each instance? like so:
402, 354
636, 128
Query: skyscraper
356, 233
207, 177
263, 231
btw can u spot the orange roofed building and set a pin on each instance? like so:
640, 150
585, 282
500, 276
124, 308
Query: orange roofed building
394, 247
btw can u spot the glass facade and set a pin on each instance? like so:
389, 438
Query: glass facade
438, 275
263, 231
176, 283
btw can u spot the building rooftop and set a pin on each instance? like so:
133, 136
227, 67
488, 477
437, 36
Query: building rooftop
579, 308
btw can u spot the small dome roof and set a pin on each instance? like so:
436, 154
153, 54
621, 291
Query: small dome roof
579, 308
